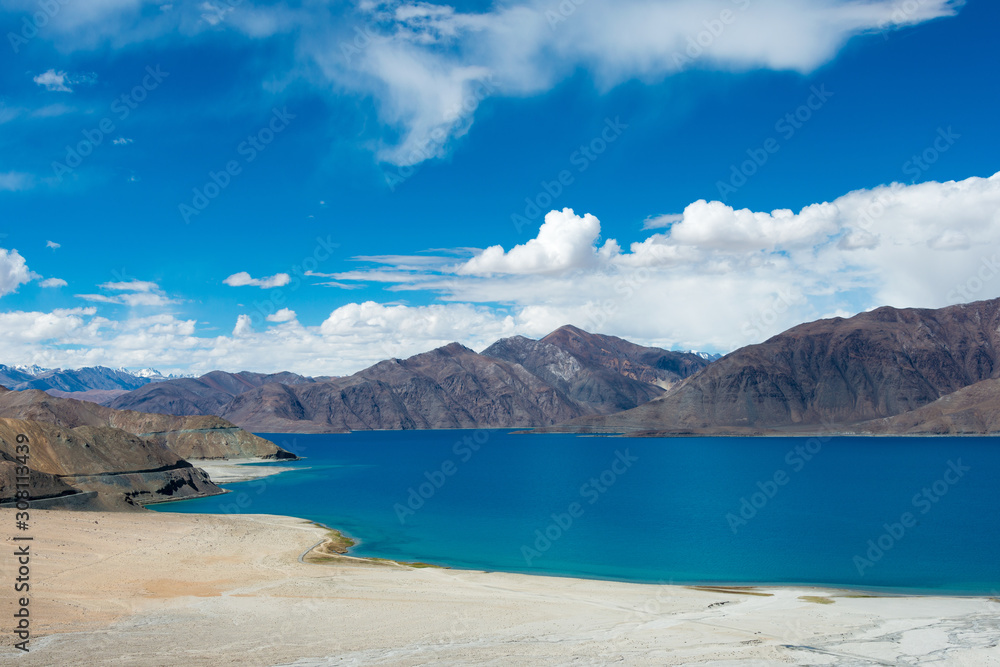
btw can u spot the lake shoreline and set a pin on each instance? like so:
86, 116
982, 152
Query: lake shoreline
113, 581
241, 470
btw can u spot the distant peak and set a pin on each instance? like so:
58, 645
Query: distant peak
454, 348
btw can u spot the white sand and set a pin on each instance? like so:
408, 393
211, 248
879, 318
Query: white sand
183, 589
229, 471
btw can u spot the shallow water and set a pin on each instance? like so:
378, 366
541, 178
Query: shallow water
909, 514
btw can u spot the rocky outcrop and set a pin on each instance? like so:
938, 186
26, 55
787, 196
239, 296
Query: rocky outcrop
197, 437
604, 374
878, 364
120, 468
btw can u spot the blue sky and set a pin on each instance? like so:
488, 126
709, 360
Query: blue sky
383, 147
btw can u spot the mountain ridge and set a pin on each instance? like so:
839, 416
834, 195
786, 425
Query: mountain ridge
875, 365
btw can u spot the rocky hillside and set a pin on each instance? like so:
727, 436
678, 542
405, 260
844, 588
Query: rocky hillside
115, 468
972, 409
205, 395
451, 387
878, 364
516, 382
195, 437
604, 374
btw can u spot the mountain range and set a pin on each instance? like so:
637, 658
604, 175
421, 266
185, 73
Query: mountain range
889, 370
94, 383
516, 382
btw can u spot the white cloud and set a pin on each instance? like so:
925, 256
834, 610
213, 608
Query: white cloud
133, 293
283, 315
565, 242
53, 80
353, 337
61, 81
662, 221
243, 279
53, 245
243, 327
14, 271
14, 181
121, 141
714, 280
428, 66
719, 278
131, 286
53, 282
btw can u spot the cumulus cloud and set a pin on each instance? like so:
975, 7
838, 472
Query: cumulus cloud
283, 315
718, 277
351, 338
14, 271
53, 245
243, 279
715, 279
53, 282
565, 241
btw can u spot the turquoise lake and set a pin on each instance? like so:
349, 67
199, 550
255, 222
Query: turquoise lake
907, 514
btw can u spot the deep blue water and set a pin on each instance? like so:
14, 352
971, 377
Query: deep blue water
853, 513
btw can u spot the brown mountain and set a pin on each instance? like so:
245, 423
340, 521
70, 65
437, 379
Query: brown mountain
451, 387
516, 382
972, 409
198, 396
602, 373
94, 467
196, 437
836, 371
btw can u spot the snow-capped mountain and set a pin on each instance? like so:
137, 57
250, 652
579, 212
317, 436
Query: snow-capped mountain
704, 355
32, 370
150, 373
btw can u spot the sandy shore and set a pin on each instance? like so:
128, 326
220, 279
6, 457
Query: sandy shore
184, 589
237, 470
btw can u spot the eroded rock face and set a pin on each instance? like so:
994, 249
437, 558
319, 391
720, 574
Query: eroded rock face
604, 374
878, 364
121, 468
